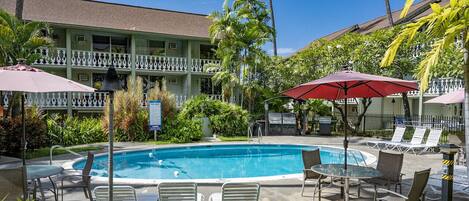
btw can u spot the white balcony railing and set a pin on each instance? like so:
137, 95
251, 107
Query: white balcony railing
161, 63
200, 65
93, 59
437, 87
52, 57
58, 100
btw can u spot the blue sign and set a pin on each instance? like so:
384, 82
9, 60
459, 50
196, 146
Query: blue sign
154, 109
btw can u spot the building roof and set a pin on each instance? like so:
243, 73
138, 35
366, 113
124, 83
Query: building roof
416, 11
89, 13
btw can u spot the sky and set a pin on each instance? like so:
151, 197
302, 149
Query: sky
298, 22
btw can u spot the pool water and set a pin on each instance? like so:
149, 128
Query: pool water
215, 161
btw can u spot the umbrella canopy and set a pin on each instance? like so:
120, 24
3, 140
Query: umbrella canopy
24, 78
350, 84
449, 98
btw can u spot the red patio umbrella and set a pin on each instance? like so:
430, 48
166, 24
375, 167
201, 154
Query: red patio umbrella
23, 78
350, 84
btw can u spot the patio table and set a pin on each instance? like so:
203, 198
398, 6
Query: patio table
36, 172
352, 172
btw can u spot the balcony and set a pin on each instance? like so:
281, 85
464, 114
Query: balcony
81, 101
438, 87
99, 60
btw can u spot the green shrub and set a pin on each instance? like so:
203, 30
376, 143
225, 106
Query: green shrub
11, 131
225, 119
75, 130
182, 130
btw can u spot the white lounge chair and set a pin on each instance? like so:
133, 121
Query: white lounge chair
397, 137
122, 193
184, 191
237, 192
417, 138
432, 142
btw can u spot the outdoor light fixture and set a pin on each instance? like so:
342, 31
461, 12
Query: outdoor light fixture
111, 84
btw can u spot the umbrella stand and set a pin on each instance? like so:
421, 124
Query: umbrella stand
24, 145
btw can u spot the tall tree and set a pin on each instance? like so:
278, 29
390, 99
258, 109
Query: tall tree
240, 31
274, 35
19, 9
446, 25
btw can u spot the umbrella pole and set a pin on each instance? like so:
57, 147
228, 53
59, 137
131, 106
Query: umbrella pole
345, 129
111, 145
23, 147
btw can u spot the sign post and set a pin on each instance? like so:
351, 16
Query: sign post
154, 109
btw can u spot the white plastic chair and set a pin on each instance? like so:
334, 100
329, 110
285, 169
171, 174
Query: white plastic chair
397, 137
181, 191
432, 142
417, 138
120, 193
237, 192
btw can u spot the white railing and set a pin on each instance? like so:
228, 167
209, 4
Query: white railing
52, 57
437, 87
100, 59
215, 96
92, 100
200, 65
161, 63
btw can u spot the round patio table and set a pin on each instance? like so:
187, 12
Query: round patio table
352, 172
36, 172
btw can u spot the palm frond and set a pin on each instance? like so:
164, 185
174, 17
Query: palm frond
406, 8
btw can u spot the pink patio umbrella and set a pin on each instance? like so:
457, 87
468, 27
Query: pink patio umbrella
349, 84
449, 98
23, 78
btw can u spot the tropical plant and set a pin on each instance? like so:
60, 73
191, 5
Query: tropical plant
19, 40
129, 116
167, 100
225, 119
69, 131
181, 130
239, 31
447, 26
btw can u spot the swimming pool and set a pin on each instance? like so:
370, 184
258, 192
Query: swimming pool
216, 161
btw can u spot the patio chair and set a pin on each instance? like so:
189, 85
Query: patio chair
396, 137
432, 142
11, 184
310, 159
82, 180
417, 138
417, 190
186, 191
120, 193
237, 192
390, 166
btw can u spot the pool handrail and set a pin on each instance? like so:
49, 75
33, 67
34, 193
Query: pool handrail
51, 151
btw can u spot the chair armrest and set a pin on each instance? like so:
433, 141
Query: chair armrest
394, 193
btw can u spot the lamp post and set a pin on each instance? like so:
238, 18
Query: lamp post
448, 151
111, 84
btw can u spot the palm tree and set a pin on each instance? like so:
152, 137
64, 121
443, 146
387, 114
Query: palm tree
19, 9
388, 13
20, 40
445, 25
274, 35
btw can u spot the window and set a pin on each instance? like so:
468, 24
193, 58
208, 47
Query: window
207, 51
98, 79
101, 43
156, 47
113, 44
207, 87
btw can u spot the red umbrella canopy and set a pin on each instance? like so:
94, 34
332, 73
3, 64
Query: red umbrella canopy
449, 98
356, 85
24, 78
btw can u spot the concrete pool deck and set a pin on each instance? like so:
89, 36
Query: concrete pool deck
283, 189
